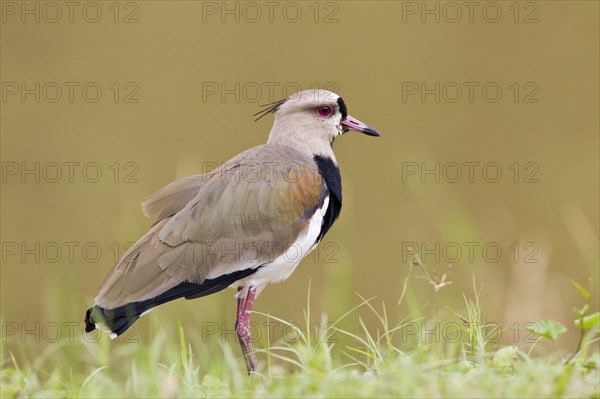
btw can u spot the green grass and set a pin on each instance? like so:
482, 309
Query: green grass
400, 359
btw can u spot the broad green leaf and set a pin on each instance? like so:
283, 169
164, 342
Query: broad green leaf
589, 321
582, 291
505, 357
549, 329
582, 311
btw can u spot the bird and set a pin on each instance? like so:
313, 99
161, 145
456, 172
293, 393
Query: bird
245, 224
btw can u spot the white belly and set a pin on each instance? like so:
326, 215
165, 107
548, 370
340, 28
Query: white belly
283, 266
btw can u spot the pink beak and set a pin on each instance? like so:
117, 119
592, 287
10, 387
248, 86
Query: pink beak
354, 124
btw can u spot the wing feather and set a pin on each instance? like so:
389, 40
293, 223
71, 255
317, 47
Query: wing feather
172, 197
217, 224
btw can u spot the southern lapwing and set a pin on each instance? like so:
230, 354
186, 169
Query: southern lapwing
245, 224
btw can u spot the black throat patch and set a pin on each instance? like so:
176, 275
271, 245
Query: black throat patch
330, 173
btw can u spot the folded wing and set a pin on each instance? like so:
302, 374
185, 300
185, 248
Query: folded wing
217, 227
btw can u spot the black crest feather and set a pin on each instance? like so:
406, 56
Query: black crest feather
269, 108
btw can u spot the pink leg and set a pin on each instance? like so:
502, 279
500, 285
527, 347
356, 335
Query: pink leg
242, 327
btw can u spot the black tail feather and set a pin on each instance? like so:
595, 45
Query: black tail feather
119, 319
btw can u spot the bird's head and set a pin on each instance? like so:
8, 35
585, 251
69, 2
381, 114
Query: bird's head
314, 118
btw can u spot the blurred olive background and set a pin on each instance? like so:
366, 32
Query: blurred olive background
166, 122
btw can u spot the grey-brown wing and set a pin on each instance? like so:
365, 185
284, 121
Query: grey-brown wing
171, 198
243, 215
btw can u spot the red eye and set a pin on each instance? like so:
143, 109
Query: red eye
324, 110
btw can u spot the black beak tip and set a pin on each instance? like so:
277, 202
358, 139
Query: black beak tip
371, 131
